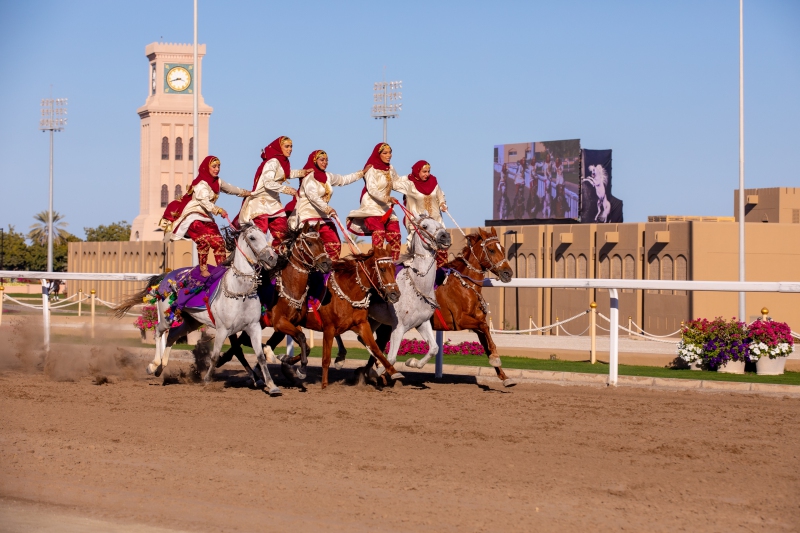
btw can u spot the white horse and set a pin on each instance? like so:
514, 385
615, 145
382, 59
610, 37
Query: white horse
417, 300
599, 181
237, 307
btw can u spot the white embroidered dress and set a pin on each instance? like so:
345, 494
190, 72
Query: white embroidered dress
314, 197
201, 207
417, 202
265, 199
375, 202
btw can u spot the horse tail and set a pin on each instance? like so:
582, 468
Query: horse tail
136, 298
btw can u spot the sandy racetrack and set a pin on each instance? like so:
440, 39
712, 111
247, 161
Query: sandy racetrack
424, 456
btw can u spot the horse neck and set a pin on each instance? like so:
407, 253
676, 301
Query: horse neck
293, 278
241, 263
422, 263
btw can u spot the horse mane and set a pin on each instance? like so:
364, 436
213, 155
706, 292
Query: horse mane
349, 264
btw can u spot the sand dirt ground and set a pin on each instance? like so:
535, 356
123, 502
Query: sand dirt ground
419, 456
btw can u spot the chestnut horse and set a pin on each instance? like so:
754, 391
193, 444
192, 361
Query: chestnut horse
301, 251
345, 307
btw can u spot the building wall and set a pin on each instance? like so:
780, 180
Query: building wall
658, 250
774, 205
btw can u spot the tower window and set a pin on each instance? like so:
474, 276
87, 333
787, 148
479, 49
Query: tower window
178, 192
191, 148
164, 148
164, 195
178, 149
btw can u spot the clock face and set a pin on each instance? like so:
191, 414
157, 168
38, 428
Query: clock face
178, 79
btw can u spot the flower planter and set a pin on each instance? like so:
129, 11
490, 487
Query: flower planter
732, 367
770, 367
148, 336
695, 365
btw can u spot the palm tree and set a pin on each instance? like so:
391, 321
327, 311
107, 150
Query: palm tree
38, 232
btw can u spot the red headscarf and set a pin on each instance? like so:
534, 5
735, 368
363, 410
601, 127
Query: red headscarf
175, 208
376, 162
273, 151
320, 175
425, 187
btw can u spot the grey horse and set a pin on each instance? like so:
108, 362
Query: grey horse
236, 309
417, 300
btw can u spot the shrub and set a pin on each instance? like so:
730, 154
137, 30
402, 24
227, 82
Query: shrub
726, 341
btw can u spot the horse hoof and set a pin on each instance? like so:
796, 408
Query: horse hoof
151, 369
495, 361
275, 391
398, 375
413, 363
300, 372
338, 363
159, 370
379, 370
258, 384
509, 382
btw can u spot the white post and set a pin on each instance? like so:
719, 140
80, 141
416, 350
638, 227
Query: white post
630, 326
613, 356
439, 354
310, 338
556, 326
2, 297
742, 315
46, 314
593, 332
530, 324
93, 294
80, 300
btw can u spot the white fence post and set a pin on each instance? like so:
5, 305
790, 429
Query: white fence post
289, 346
80, 299
46, 314
593, 332
613, 356
439, 354
2, 297
94, 297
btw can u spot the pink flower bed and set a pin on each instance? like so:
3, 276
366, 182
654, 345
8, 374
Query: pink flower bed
417, 347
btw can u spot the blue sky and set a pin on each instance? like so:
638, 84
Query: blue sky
655, 81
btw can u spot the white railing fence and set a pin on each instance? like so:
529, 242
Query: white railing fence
613, 285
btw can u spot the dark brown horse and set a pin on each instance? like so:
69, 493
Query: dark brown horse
345, 307
301, 252
461, 303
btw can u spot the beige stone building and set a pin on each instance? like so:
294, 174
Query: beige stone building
168, 148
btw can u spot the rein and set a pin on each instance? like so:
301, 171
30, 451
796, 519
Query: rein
420, 230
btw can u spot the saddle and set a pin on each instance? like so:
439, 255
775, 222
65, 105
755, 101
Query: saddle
189, 289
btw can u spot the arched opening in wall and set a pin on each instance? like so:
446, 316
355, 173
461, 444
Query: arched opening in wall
137, 235
666, 270
605, 269
191, 148
653, 270
582, 265
164, 195
531, 266
178, 192
680, 271
628, 270
559, 273
178, 149
571, 268
164, 148
616, 267
523, 266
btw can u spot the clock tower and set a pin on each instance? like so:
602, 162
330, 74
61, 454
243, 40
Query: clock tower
168, 148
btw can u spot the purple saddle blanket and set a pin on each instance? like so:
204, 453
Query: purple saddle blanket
191, 289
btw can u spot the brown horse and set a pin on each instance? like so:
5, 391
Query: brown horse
301, 251
461, 303
345, 307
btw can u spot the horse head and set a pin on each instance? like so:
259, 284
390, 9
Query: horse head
492, 254
315, 248
432, 234
255, 241
381, 261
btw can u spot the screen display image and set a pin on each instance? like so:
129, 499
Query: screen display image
537, 180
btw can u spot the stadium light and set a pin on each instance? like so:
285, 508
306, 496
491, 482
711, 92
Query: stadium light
386, 101
54, 118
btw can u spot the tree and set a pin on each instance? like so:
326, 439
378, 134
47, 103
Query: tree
37, 254
117, 231
15, 251
39, 231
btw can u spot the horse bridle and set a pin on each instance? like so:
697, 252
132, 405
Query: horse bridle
305, 256
256, 265
484, 254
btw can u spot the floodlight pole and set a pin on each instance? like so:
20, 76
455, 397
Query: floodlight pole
742, 315
52, 121
381, 108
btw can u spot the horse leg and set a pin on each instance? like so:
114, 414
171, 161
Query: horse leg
388, 363
341, 354
273, 341
327, 345
222, 333
300, 339
156, 366
254, 331
485, 338
234, 350
426, 331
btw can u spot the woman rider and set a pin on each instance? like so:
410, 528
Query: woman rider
192, 215
375, 216
314, 197
264, 208
421, 192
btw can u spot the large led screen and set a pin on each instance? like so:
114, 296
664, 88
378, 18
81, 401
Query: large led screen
537, 180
